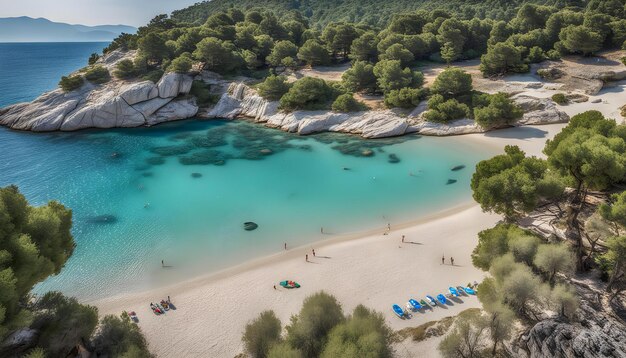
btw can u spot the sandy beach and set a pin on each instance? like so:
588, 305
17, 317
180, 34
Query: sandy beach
371, 268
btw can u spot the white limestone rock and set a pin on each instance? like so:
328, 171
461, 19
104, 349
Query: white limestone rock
457, 127
539, 110
173, 84
174, 110
107, 113
139, 92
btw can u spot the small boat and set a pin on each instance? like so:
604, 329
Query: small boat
415, 304
453, 291
289, 284
441, 299
469, 291
457, 168
431, 300
398, 311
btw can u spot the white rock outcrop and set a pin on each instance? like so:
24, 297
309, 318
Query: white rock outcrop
242, 101
113, 104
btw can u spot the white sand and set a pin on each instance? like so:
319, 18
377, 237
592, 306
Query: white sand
371, 268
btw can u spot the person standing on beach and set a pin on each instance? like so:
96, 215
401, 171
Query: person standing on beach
403, 239
322, 230
162, 263
285, 246
306, 257
443, 259
313, 252
452, 260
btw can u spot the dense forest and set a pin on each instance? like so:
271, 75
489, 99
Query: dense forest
370, 12
384, 54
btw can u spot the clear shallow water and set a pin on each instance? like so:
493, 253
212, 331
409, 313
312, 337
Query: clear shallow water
136, 201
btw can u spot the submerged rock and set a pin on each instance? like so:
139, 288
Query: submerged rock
147, 174
451, 181
196, 175
102, 219
393, 158
249, 226
367, 153
458, 167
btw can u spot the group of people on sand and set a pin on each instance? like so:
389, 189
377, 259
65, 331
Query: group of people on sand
161, 307
443, 260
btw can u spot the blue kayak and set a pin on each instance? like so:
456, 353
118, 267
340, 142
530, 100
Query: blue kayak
398, 311
431, 300
415, 304
469, 291
453, 291
441, 298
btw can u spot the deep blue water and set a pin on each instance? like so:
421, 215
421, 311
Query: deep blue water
28, 69
181, 192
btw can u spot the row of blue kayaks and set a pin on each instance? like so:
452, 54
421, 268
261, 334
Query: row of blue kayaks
431, 301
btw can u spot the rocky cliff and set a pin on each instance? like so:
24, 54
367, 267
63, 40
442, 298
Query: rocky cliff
113, 104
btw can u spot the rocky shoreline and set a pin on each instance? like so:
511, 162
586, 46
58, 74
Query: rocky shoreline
120, 103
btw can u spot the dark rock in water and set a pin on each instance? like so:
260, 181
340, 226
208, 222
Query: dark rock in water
393, 158
102, 219
196, 175
458, 167
346, 168
116, 155
451, 181
204, 157
266, 151
207, 141
305, 147
147, 174
155, 160
249, 226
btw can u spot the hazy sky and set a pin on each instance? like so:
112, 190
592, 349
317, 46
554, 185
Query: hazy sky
92, 12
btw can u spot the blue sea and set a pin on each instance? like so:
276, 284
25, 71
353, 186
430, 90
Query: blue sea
181, 192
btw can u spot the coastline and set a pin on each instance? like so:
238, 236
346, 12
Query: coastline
354, 269
362, 268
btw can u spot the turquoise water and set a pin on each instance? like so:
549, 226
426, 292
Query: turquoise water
180, 192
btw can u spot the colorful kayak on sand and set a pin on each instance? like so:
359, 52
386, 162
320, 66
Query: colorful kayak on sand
431, 300
398, 311
289, 284
441, 298
469, 291
415, 304
453, 291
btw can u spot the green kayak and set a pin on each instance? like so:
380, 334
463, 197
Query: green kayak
289, 284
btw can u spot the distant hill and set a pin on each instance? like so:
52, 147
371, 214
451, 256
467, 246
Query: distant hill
27, 29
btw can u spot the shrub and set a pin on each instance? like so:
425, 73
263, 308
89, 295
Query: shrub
308, 93
273, 88
360, 77
501, 59
535, 55
560, 98
93, 58
201, 91
97, 75
390, 75
153, 76
452, 82
125, 69
347, 103
181, 64
261, 333
120, 337
501, 111
405, 97
71, 83
320, 313
623, 59
443, 111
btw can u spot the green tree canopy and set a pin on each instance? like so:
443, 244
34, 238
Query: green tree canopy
452, 82
313, 53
